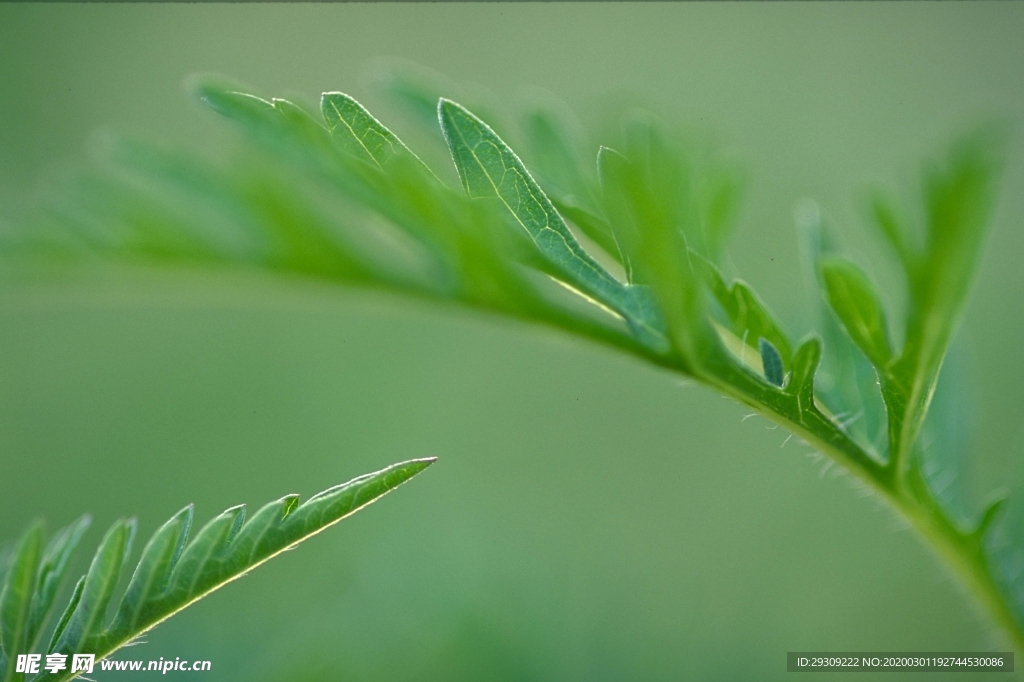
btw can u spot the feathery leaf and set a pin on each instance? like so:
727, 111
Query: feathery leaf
344, 200
172, 573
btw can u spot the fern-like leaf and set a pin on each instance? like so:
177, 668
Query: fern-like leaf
634, 244
173, 572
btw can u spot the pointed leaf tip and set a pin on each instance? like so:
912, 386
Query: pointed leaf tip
173, 572
51, 573
16, 595
989, 516
856, 303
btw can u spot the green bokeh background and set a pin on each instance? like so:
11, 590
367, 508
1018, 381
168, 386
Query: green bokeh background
590, 518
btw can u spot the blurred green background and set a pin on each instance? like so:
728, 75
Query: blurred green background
590, 518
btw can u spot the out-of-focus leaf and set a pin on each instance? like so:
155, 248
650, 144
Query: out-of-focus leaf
343, 200
249, 109
51, 574
5, 561
653, 248
884, 217
958, 200
16, 595
947, 435
554, 155
855, 302
85, 627
848, 383
592, 225
720, 197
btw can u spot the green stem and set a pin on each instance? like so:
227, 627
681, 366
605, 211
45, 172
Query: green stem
908, 495
964, 555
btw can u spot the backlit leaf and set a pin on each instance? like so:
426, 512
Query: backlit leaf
172, 573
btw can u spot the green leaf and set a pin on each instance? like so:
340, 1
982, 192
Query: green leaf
989, 515
62, 623
855, 302
567, 181
884, 217
151, 576
84, 628
958, 202
345, 201
947, 434
254, 111
958, 198
653, 249
591, 224
174, 572
280, 125
624, 198
417, 93
413, 196
849, 383
805, 365
488, 167
572, 189
417, 89
749, 318
650, 197
358, 131
5, 562
300, 119
16, 599
554, 155
51, 574
720, 200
